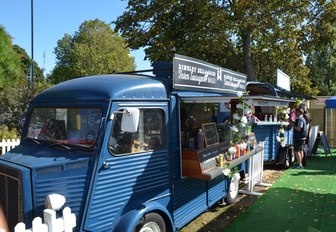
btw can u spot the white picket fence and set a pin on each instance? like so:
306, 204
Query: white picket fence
51, 223
8, 144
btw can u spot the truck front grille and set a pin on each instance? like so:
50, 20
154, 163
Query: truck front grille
11, 196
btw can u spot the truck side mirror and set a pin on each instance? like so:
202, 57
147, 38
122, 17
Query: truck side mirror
130, 120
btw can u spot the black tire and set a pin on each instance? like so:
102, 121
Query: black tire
151, 222
233, 190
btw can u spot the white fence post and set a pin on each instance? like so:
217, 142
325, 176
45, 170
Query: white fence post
69, 219
8, 144
66, 223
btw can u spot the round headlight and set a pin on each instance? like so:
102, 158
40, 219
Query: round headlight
54, 201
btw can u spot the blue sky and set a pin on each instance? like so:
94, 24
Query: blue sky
54, 18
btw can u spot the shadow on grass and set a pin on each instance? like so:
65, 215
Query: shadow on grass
305, 173
286, 209
301, 200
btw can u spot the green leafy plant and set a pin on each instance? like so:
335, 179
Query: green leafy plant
240, 121
229, 172
5, 133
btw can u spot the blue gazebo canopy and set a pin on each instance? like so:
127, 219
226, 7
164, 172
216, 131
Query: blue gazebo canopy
330, 102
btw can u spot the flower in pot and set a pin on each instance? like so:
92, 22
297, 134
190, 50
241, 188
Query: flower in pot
232, 151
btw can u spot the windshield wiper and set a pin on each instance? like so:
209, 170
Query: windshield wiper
33, 139
60, 145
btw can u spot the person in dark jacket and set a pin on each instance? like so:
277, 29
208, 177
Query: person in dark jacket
306, 116
299, 136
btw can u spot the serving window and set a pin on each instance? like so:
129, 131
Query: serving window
202, 116
148, 137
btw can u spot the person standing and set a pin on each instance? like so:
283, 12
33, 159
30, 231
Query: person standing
306, 116
299, 136
251, 117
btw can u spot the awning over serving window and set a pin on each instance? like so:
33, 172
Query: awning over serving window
202, 97
267, 101
266, 89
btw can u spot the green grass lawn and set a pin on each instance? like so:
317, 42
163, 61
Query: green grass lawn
301, 200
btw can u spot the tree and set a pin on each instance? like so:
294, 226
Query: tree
25, 63
15, 91
322, 65
93, 49
14, 103
253, 37
10, 69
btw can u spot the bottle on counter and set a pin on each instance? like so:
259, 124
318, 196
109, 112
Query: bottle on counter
254, 143
248, 146
271, 118
266, 118
200, 139
237, 146
242, 148
191, 143
275, 118
251, 144
220, 160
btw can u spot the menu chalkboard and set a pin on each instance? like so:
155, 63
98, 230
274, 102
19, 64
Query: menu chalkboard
325, 143
210, 133
321, 138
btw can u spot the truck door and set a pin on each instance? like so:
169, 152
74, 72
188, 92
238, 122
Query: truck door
134, 167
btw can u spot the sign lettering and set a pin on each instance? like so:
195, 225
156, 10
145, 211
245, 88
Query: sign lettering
191, 74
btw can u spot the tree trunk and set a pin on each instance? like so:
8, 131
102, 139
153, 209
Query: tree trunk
249, 69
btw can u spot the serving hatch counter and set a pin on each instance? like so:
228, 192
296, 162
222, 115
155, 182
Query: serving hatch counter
203, 163
267, 129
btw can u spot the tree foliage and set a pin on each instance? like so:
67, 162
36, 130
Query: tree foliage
93, 49
25, 63
15, 90
14, 103
322, 65
253, 37
10, 69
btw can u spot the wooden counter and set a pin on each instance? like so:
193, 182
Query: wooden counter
202, 164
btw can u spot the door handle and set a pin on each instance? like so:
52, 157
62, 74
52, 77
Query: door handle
107, 164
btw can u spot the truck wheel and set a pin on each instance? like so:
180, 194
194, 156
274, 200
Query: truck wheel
151, 222
233, 189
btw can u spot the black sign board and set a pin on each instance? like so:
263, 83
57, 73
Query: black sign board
325, 143
210, 133
205, 155
316, 143
191, 74
321, 137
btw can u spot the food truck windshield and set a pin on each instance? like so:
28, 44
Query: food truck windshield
67, 126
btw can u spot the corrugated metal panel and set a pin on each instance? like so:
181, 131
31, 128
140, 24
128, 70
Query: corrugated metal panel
268, 134
289, 134
72, 182
264, 134
216, 189
189, 200
130, 180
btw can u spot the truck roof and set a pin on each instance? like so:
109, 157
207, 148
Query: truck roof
105, 87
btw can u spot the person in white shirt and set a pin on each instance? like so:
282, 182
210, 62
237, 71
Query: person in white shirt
251, 117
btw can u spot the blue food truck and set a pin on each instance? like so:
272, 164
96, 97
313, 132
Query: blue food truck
266, 100
122, 149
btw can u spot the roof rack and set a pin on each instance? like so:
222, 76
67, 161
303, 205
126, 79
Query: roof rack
160, 69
